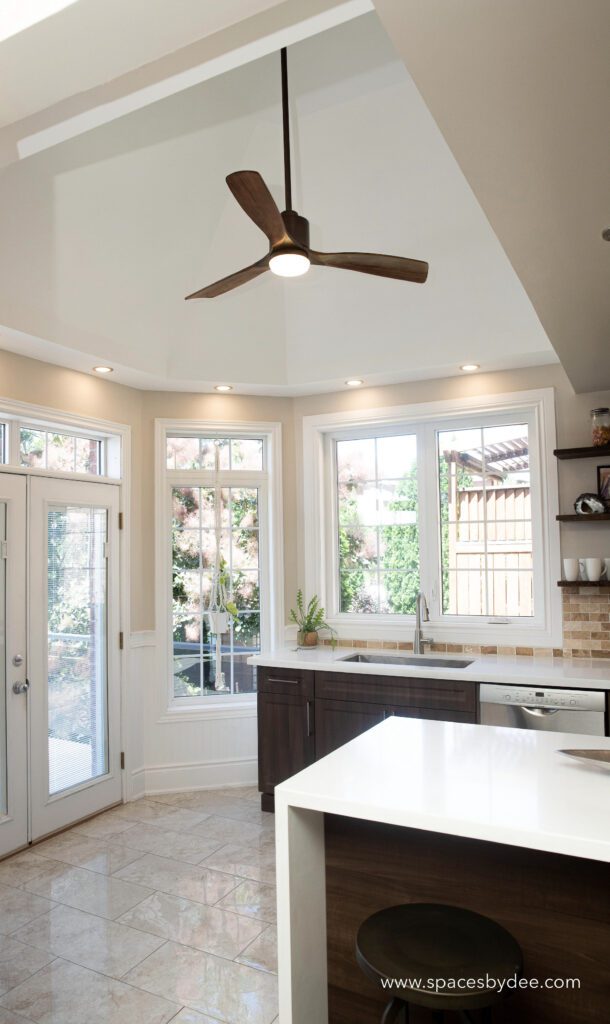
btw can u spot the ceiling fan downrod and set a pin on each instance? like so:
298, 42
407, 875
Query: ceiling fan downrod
298, 227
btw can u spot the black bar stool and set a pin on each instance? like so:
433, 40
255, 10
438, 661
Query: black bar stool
422, 941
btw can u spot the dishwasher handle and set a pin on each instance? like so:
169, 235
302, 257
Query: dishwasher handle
539, 712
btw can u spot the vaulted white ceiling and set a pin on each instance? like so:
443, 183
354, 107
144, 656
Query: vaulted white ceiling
103, 236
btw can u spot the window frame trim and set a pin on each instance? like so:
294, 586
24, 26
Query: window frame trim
269, 480
537, 408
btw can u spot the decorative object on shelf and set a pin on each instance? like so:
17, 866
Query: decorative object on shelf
571, 569
600, 426
603, 485
309, 621
589, 504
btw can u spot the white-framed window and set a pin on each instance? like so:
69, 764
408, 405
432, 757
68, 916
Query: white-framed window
219, 521
455, 499
62, 446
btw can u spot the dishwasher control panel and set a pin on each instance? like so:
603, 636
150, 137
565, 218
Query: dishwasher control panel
537, 697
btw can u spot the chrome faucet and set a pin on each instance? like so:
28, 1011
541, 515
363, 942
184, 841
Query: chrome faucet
421, 615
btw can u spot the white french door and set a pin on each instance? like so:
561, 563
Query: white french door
13, 685
73, 651
59, 654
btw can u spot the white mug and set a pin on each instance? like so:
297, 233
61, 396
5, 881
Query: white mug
571, 569
594, 568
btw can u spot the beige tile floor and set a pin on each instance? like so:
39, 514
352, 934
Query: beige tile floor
160, 910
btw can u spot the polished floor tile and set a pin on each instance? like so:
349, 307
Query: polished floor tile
248, 861
64, 993
83, 852
262, 952
149, 838
193, 924
187, 1016
253, 899
104, 895
18, 908
150, 912
6, 1017
21, 868
193, 882
90, 941
18, 962
228, 830
214, 986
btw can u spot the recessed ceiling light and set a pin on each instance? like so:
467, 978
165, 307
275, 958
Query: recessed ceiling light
102, 369
355, 382
223, 387
470, 367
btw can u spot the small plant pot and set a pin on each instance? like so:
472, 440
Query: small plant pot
219, 622
307, 639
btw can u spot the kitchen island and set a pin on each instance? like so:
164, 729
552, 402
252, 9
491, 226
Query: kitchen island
491, 819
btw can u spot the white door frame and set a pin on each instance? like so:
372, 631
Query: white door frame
14, 825
48, 813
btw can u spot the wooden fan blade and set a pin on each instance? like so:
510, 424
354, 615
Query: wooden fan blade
226, 284
256, 200
398, 267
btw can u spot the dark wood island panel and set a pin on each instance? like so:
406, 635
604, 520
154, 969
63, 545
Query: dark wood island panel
557, 907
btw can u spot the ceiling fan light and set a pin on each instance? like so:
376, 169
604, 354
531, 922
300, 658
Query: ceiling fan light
289, 264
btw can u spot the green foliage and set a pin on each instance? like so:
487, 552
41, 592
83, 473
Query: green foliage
400, 547
309, 618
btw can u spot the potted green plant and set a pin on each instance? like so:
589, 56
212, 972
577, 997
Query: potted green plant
309, 620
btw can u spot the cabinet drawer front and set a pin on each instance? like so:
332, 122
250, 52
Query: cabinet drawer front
290, 681
400, 691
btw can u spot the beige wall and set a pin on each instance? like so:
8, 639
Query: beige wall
40, 383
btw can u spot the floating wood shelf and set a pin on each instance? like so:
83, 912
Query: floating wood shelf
583, 583
594, 517
592, 452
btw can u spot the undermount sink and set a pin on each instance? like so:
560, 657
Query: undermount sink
416, 659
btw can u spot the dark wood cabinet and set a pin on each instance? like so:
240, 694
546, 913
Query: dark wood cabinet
286, 742
339, 721
304, 715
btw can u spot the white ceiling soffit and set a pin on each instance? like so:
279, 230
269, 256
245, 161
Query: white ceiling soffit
103, 236
121, 55
521, 92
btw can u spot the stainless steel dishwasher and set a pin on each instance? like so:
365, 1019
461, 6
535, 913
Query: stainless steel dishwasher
551, 710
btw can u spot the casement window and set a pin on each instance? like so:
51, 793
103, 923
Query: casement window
218, 512
457, 501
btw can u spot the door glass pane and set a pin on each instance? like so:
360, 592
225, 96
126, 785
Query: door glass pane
3, 760
77, 655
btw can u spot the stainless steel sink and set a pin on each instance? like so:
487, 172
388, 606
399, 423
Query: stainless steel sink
416, 659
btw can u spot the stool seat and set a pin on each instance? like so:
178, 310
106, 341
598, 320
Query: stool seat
421, 941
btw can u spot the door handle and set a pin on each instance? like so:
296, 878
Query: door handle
21, 687
309, 722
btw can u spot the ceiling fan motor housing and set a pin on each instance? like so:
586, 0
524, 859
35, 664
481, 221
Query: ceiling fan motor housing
297, 227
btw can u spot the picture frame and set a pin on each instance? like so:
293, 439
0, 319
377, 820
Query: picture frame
603, 484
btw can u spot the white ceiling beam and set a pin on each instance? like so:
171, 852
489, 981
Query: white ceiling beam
255, 37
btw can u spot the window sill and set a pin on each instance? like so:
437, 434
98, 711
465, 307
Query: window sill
217, 710
486, 633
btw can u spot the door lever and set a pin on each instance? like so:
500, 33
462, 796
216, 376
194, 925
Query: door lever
21, 687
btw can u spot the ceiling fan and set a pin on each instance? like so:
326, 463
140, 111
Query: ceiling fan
289, 253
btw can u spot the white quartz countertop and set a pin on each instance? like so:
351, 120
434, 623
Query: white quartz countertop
506, 786
578, 673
